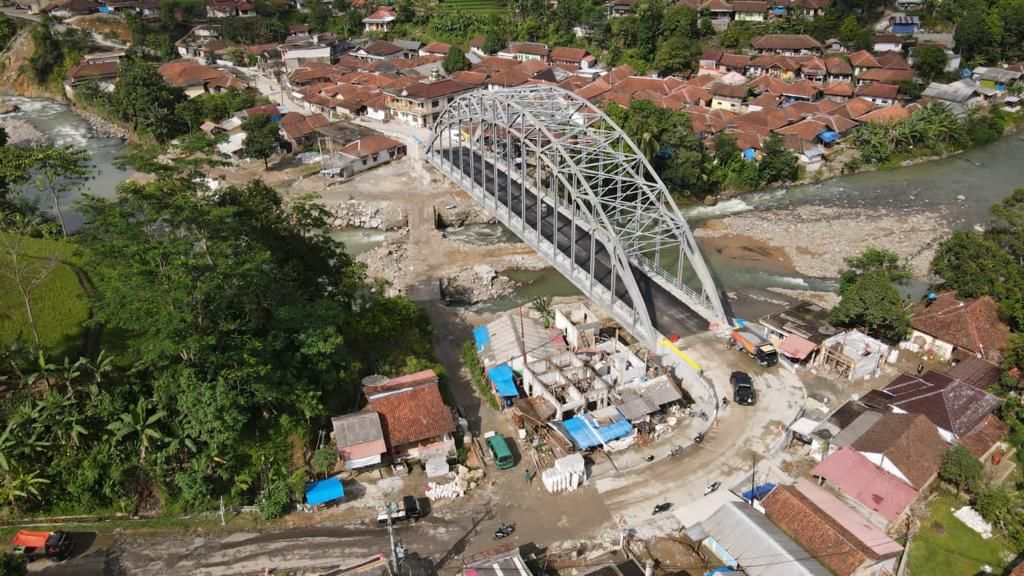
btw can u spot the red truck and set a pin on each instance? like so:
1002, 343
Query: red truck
36, 545
761, 350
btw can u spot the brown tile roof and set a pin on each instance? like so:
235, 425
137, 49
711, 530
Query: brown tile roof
477, 42
94, 70
728, 90
370, 145
984, 436
864, 59
532, 48
413, 415
381, 48
854, 109
813, 64
619, 74
806, 130
531, 67
827, 541
734, 61
594, 89
803, 88
910, 442
893, 61
765, 100
836, 123
568, 54
469, 77
785, 42
838, 65
493, 64
508, 78
767, 84
769, 118
887, 39
973, 325
437, 48
573, 83
949, 403
750, 6
839, 88
381, 14
298, 126
716, 6
886, 75
712, 55
977, 372
885, 115
878, 90
298, 29
772, 60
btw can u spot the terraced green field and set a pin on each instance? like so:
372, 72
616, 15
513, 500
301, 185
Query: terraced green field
474, 6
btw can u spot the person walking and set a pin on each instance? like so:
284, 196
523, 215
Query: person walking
529, 478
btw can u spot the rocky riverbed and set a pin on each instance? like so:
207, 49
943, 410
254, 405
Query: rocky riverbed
21, 133
100, 125
813, 240
380, 215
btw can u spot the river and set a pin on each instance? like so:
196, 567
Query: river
62, 126
982, 176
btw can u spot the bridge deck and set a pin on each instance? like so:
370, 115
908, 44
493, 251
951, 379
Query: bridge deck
668, 315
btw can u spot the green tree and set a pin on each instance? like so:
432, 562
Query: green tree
972, 36
677, 55
849, 30
777, 163
493, 42
12, 564
262, 138
872, 302
542, 306
707, 29
145, 100
455, 60
325, 459
961, 469
23, 268
726, 150
59, 170
870, 260
20, 484
930, 62
974, 266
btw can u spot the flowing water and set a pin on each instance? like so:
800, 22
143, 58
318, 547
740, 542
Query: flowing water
359, 240
62, 127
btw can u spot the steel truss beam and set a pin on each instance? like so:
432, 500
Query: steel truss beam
569, 182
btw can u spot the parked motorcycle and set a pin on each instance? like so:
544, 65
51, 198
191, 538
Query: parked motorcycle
698, 438
725, 401
504, 530
659, 508
712, 487
674, 451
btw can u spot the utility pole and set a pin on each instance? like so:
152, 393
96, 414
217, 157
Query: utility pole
753, 476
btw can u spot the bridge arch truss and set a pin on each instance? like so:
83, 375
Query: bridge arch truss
571, 184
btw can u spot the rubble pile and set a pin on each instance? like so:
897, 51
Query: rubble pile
358, 214
476, 284
387, 261
463, 480
462, 214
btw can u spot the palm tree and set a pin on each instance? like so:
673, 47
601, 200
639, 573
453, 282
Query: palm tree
136, 421
648, 144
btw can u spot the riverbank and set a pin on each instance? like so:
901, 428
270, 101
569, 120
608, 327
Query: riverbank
812, 240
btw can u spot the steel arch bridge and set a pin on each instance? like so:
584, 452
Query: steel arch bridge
560, 174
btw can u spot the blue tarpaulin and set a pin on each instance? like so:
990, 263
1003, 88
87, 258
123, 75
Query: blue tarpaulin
481, 337
758, 492
828, 136
749, 154
501, 376
582, 431
778, 10
323, 491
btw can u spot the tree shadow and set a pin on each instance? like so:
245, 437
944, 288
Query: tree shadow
459, 547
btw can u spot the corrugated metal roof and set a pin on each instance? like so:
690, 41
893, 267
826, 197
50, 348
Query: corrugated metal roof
760, 547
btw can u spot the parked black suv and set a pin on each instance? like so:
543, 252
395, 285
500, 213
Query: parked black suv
742, 389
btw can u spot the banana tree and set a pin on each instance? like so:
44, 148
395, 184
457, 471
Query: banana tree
136, 421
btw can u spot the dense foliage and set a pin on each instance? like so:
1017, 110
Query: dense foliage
55, 51
870, 300
932, 129
989, 263
233, 326
961, 469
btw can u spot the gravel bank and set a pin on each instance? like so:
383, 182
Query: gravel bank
817, 238
101, 126
360, 214
21, 133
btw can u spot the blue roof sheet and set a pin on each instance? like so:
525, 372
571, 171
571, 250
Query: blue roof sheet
501, 376
582, 431
758, 492
481, 337
323, 491
828, 136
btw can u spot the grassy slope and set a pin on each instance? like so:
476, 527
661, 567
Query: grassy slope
474, 6
58, 303
958, 550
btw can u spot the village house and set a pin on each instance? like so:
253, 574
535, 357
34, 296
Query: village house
300, 129
618, 8
103, 73
951, 405
435, 49
886, 43
524, 51
958, 97
371, 151
998, 79
379, 50
838, 91
786, 45
875, 493
304, 53
878, 93
727, 97
359, 439
415, 420
977, 372
229, 8
572, 58
863, 60
196, 78
71, 8
904, 24
382, 20
719, 12
907, 446
199, 42
740, 537
750, 10
953, 329
420, 104
844, 541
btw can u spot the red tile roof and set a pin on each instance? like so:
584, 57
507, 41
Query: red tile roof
750, 6
362, 148
864, 59
803, 88
839, 88
436, 89
574, 55
785, 42
531, 48
886, 75
619, 74
297, 126
93, 70
469, 77
806, 130
838, 65
437, 48
878, 90
732, 61
858, 478
728, 91
412, 415
973, 324
893, 61
382, 14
